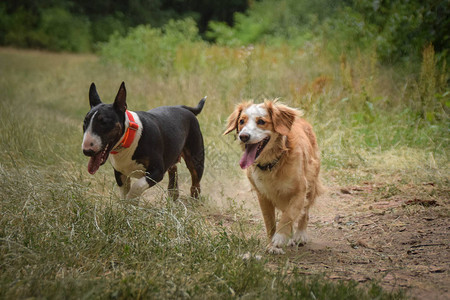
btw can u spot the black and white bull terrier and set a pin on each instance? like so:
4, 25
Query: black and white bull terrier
143, 145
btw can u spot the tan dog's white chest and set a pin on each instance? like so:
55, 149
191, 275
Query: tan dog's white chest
271, 186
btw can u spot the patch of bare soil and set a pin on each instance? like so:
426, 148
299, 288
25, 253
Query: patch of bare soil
400, 241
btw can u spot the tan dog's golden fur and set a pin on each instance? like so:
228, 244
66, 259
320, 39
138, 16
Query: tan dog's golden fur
282, 161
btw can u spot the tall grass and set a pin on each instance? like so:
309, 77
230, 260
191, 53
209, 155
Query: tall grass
60, 240
65, 234
359, 107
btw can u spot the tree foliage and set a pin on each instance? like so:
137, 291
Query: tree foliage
65, 25
397, 29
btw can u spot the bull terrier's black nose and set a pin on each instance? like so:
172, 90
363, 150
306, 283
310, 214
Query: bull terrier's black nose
89, 152
244, 137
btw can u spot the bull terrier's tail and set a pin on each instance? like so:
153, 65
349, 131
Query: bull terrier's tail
198, 109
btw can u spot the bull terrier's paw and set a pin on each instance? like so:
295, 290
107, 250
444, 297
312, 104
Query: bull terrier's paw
174, 194
132, 199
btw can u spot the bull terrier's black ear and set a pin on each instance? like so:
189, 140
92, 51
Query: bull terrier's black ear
94, 98
120, 103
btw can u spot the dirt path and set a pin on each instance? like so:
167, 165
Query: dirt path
400, 242
395, 235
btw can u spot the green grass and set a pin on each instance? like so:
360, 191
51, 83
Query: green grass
58, 240
65, 234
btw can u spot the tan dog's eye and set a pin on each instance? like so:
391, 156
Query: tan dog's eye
241, 122
260, 122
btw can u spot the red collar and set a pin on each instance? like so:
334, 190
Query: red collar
129, 135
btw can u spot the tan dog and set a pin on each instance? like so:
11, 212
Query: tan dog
282, 161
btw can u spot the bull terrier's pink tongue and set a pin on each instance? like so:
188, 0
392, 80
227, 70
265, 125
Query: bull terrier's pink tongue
249, 156
94, 163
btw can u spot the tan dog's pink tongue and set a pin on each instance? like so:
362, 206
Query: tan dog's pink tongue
249, 156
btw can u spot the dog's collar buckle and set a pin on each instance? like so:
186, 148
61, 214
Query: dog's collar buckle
133, 125
130, 133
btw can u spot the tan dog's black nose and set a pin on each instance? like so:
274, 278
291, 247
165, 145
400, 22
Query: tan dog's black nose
244, 137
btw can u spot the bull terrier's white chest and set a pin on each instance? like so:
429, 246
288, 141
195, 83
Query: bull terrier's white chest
123, 161
124, 164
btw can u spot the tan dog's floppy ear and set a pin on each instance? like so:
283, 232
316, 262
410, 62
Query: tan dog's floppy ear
233, 119
282, 116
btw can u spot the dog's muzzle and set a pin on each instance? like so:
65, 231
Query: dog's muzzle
88, 152
244, 137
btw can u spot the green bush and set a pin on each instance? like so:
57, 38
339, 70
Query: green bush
54, 29
398, 29
104, 27
63, 31
346, 32
15, 28
274, 22
153, 49
432, 88
138, 49
404, 28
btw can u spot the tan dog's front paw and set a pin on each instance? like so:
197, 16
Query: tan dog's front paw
299, 238
278, 241
274, 250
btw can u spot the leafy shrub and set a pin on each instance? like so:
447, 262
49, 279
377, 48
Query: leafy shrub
104, 27
150, 48
53, 28
404, 28
347, 31
274, 22
398, 29
135, 50
64, 31
432, 87
15, 28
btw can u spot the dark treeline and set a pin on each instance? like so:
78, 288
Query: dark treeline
398, 30
79, 25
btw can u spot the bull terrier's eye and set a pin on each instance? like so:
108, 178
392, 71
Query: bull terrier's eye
260, 122
102, 120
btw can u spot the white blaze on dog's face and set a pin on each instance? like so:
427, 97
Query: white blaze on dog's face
102, 127
91, 141
259, 126
253, 122
255, 130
